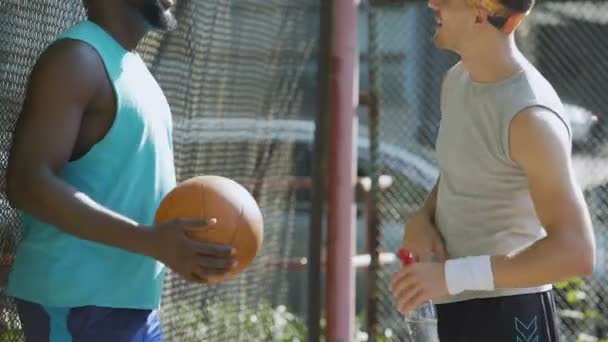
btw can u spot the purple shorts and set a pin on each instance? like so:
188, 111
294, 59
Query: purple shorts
87, 323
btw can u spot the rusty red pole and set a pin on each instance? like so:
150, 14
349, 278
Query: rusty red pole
340, 288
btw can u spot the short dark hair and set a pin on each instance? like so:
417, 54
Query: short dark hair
518, 6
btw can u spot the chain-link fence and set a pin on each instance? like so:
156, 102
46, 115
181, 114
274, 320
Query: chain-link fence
403, 70
240, 77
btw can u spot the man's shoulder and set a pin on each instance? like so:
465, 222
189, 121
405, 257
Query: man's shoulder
541, 94
72, 52
536, 80
454, 70
67, 59
69, 70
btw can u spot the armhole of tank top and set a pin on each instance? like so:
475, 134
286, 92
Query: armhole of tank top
506, 134
105, 65
107, 72
117, 100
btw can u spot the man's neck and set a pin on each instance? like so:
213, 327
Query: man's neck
493, 62
125, 25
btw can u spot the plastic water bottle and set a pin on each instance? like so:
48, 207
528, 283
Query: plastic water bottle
422, 322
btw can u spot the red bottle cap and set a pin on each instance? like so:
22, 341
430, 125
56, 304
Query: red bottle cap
406, 257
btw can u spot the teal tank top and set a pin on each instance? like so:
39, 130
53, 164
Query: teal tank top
129, 171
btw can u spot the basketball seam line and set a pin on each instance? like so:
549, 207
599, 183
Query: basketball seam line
236, 228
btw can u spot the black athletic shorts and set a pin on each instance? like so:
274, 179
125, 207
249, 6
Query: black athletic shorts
519, 318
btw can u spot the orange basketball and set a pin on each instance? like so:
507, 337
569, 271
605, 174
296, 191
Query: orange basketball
239, 219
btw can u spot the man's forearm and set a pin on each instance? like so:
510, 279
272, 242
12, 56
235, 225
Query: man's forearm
53, 201
555, 258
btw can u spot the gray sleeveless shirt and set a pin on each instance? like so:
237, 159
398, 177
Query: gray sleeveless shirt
484, 205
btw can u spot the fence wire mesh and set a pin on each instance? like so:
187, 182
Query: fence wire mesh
240, 77
399, 64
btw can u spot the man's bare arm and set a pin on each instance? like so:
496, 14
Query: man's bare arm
62, 84
539, 144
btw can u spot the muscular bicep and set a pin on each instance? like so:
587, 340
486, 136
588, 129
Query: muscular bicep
59, 89
540, 144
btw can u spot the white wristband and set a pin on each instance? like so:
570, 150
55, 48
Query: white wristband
469, 273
